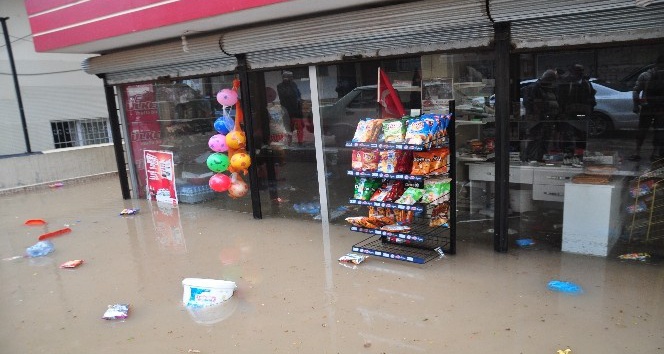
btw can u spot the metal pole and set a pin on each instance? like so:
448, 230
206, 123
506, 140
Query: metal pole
502, 168
242, 68
117, 138
16, 86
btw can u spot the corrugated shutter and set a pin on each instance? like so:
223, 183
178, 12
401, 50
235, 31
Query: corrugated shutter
538, 23
166, 59
415, 27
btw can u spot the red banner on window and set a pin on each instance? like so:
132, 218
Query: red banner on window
143, 124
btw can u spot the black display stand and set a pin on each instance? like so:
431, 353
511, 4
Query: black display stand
423, 243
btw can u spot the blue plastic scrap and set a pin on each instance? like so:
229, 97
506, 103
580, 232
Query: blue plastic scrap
565, 287
525, 242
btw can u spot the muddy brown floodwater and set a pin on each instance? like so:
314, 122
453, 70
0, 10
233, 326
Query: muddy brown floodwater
293, 296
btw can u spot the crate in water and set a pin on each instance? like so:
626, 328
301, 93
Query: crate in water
191, 194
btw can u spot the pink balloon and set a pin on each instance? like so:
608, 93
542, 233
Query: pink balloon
217, 143
227, 97
219, 182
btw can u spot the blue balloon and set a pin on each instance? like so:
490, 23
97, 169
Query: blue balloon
220, 126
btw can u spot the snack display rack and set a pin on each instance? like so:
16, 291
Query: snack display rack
423, 242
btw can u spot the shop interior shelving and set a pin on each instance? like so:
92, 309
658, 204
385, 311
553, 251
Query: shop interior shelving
647, 213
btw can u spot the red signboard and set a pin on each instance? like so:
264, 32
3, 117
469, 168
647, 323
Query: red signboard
63, 23
160, 176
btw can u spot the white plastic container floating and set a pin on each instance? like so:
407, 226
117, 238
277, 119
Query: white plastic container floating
206, 292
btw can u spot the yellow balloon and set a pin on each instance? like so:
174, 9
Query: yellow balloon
241, 161
236, 140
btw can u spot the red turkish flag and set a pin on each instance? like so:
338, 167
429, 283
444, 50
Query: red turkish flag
388, 97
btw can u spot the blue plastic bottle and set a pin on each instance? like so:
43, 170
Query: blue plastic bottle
39, 249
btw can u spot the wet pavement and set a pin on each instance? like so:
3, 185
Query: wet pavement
293, 296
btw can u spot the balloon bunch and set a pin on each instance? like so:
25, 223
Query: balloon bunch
229, 147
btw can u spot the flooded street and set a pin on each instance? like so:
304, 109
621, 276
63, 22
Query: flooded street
293, 296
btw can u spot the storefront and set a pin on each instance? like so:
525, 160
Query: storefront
520, 175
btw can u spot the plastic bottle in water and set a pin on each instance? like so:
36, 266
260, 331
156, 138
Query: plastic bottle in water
39, 249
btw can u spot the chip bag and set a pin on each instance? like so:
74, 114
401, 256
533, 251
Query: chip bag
411, 196
421, 163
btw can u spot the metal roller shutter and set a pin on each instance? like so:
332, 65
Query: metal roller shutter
539, 23
416, 27
166, 59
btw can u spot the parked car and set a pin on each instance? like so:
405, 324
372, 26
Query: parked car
340, 118
613, 111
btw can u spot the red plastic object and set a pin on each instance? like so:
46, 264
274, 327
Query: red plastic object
54, 233
35, 222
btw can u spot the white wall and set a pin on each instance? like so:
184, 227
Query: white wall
55, 166
53, 87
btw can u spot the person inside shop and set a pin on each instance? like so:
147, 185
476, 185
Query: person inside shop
541, 103
576, 95
280, 135
290, 99
648, 98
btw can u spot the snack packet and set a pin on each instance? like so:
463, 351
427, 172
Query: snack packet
417, 132
116, 312
440, 215
361, 132
393, 131
421, 163
365, 187
435, 190
353, 258
370, 160
439, 163
388, 192
411, 196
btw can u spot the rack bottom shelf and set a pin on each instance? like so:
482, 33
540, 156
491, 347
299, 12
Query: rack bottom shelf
376, 247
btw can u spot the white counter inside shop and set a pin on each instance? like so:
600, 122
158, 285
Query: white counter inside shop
592, 220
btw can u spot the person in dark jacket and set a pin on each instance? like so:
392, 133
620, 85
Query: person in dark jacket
649, 105
291, 99
541, 101
576, 95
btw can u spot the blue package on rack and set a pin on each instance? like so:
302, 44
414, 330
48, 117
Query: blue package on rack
565, 287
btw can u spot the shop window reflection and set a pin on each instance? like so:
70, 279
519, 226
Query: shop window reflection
284, 139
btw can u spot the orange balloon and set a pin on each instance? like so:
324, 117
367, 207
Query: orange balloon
236, 140
241, 161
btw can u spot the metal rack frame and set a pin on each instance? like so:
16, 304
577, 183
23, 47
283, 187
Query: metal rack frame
423, 243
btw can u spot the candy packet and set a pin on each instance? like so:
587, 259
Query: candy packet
353, 258
116, 312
